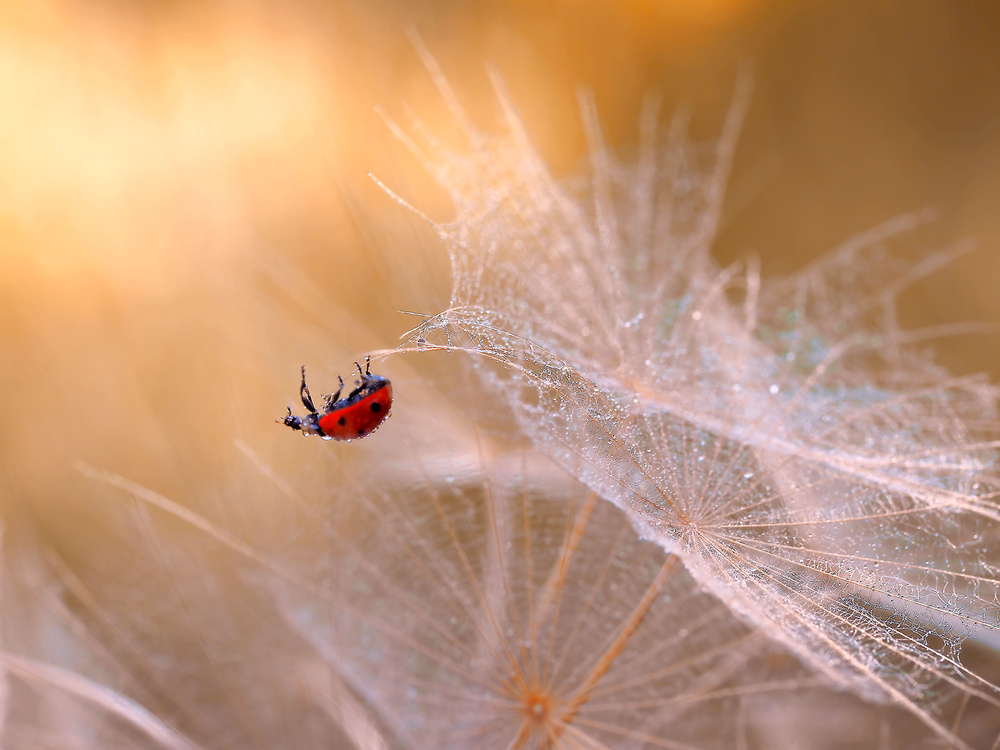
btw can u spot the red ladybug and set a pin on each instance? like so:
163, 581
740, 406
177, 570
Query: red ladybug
351, 418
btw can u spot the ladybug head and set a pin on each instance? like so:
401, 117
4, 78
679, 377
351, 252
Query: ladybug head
308, 425
291, 421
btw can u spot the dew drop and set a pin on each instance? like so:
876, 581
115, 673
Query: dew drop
325, 437
696, 315
748, 475
774, 388
449, 479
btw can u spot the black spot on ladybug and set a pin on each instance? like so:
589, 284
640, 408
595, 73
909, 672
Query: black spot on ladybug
360, 433
341, 421
376, 407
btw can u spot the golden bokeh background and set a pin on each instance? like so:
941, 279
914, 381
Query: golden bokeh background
186, 216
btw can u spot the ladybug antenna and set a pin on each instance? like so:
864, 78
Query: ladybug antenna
307, 400
368, 365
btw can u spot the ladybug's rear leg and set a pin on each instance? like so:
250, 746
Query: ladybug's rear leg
368, 368
307, 400
363, 375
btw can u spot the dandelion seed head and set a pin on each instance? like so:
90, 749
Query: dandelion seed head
811, 469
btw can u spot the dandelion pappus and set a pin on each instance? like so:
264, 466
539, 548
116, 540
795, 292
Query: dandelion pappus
356, 416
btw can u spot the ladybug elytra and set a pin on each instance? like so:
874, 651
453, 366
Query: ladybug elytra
356, 416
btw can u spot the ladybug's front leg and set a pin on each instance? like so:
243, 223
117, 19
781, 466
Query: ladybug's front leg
307, 400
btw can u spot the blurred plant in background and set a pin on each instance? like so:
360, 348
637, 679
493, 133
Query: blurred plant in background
187, 221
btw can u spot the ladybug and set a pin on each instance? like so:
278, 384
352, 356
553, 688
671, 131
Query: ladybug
351, 418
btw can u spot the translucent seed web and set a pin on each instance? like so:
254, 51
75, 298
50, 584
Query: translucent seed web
807, 462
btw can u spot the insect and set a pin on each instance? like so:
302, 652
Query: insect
351, 418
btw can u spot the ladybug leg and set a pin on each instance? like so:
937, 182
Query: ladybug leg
307, 400
367, 373
361, 383
332, 398
364, 375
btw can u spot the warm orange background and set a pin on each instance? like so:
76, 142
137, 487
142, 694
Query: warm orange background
185, 216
